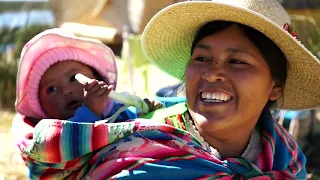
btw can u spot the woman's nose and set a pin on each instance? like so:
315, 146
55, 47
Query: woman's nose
214, 73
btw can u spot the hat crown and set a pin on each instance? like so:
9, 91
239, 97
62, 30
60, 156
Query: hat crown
271, 9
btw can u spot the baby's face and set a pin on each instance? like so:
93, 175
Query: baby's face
60, 93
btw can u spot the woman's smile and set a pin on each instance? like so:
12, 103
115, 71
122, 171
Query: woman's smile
214, 98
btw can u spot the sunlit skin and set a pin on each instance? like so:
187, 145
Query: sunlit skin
61, 94
227, 62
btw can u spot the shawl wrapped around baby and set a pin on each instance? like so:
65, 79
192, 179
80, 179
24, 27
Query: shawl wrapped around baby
158, 147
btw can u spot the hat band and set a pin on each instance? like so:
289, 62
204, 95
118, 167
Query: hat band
291, 29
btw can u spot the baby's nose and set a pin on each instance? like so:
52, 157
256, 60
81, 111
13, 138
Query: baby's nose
67, 92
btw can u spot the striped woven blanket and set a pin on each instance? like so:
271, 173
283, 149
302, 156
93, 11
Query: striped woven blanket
159, 147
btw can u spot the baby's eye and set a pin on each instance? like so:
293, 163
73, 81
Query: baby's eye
51, 89
73, 78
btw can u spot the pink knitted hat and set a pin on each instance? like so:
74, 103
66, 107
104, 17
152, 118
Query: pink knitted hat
52, 46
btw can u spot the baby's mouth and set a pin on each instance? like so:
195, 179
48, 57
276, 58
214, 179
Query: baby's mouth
74, 104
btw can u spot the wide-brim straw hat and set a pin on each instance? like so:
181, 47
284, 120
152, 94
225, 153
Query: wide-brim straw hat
168, 37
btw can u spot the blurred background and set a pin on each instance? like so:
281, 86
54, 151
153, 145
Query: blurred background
119, 24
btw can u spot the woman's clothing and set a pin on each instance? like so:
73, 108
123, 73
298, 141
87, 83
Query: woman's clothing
251, 152
156, 147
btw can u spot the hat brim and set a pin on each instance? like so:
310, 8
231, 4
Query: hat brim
168, 37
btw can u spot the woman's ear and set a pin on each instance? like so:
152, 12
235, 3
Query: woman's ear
276, 91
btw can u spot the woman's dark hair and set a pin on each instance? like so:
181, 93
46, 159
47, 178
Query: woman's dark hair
275, 58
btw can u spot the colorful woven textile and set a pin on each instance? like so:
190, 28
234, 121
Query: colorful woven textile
160, 147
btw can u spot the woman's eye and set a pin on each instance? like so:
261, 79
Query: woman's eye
72, 78
51, 89
200, 58
236, 61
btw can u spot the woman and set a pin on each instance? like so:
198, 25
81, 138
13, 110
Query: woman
233, 75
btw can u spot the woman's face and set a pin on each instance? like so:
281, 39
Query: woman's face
228, 82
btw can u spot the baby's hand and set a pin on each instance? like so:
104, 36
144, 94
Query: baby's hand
96, 97
153, 105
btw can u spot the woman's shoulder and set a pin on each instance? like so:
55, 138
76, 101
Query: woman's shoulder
286, 152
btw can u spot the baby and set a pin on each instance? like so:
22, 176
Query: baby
48, 92
47, 88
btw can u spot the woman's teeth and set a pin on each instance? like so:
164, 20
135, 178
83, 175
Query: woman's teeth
215, 97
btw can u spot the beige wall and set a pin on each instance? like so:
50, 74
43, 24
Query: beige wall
108, 13
141, 11
134, 13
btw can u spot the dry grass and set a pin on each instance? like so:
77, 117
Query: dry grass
11, 164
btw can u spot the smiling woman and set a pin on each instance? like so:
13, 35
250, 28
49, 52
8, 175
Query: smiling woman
239, 59
225, 69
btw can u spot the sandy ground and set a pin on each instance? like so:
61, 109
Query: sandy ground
11, 164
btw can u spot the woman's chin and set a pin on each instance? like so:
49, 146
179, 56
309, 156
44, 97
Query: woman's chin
211, 121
